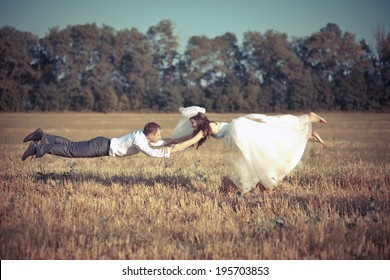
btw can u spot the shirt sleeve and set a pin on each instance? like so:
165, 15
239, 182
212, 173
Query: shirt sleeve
144, 147
160, 142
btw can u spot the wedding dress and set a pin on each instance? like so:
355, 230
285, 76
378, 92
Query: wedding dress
263, 149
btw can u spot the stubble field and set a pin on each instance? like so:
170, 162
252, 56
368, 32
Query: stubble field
336, 207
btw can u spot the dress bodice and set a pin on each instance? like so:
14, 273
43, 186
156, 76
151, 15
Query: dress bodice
223, 128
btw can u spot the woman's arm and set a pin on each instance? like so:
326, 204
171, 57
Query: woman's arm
184, 145
181, 139
170, 141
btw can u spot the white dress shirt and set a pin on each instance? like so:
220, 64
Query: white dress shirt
134, 143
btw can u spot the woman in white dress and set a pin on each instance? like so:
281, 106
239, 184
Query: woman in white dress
269, 147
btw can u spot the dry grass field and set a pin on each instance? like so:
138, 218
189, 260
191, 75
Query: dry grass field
336, 207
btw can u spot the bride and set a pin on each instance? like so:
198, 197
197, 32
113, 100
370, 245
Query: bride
268, 147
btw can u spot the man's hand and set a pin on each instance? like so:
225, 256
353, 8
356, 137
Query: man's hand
175, 148
166, 149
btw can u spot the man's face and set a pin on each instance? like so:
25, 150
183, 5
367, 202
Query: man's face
156, 136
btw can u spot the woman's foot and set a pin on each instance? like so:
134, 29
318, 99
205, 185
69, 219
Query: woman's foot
316, 118
315, 137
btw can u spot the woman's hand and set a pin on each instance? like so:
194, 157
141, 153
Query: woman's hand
175, 148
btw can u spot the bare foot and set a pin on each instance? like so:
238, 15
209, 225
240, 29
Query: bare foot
315, 137
261, 187
316, 118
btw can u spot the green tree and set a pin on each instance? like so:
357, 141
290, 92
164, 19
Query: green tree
164, 44
106, 99
333, 55
272, 62
168, 99
383, 65
134, 61
18, 73
350, 92
214, 63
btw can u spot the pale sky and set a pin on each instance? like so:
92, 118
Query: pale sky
202, 17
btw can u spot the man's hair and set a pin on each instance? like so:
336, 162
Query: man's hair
151, 128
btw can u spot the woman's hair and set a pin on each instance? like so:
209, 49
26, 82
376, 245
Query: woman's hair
202, 124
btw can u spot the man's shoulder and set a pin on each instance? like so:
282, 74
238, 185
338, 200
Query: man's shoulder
139, 135
131, 136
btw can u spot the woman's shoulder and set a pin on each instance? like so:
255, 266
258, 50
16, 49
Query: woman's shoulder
214, 125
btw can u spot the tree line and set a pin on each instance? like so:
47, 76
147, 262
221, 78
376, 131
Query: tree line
91, 68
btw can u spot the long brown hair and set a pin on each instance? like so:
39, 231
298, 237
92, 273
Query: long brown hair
202, 124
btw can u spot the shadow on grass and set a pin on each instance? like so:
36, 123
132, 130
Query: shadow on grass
58, 179
345, 206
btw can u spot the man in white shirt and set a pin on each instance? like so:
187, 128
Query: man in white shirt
127, 145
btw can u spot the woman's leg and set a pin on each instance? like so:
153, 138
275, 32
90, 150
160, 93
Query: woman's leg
316, 118
316, 138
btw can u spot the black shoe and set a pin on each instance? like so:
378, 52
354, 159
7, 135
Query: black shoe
35, 136
30, 151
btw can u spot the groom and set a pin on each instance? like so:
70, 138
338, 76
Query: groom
127, 145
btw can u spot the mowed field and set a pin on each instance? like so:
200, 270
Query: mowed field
336, 207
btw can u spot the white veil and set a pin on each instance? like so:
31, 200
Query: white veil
184, 127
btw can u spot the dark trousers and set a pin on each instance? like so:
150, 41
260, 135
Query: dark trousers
60, 146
